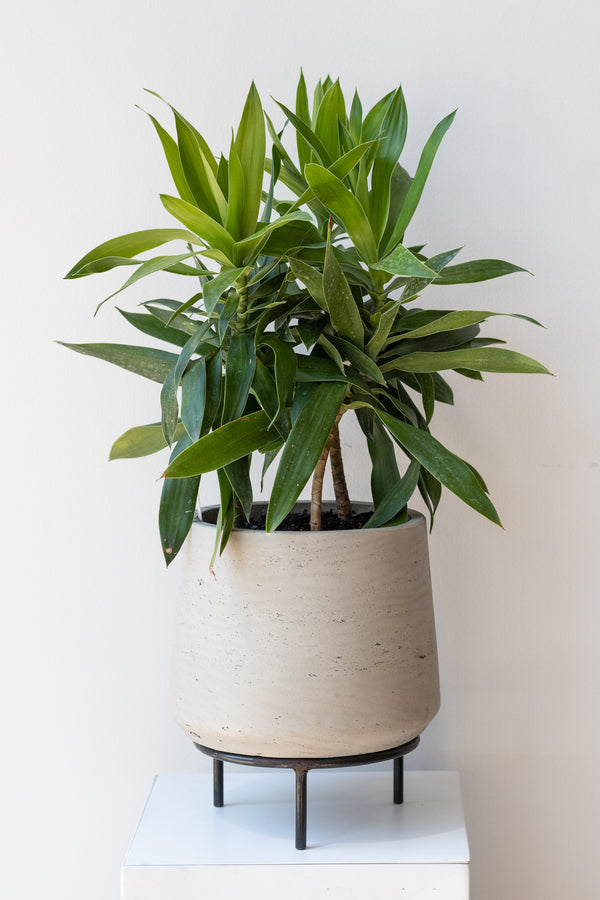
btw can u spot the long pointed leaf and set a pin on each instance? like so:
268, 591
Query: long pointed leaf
234, 221
308, 134
250, 147
238, 473
198, 173
331, 111
419, 180
150, 325
483, 359
108, 254
303, 113
204, 226
337, 198
142, 440
145, 361
397, 497
215, 287
343, 310
447, 468
477, 270
171, 151
302, 450
402, 262
223, 446
239, 372
193, 398
394, 129
177, 508
456, 320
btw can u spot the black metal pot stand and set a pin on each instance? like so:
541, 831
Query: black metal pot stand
302, 766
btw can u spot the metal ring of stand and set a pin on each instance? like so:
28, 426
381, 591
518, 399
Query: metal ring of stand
301, 766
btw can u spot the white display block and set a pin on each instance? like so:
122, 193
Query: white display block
359, 844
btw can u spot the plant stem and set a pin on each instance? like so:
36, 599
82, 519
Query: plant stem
242, 289
238, 518
316, 496
342, 500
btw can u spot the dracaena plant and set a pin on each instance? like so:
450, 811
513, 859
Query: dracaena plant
305, 309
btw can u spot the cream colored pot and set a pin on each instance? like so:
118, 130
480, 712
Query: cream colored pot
306, 644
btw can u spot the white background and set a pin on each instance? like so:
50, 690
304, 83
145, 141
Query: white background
87, 604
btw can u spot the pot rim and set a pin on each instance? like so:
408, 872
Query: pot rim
414, 519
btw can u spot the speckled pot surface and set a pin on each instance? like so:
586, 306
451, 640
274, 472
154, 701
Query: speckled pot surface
306, 644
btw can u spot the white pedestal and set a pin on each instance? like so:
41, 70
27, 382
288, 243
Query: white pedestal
359, 844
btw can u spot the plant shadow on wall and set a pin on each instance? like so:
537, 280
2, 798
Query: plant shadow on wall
301, 311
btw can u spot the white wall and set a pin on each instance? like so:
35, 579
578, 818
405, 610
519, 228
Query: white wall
87, 614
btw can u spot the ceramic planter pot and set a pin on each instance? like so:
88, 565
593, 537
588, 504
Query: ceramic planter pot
306, 644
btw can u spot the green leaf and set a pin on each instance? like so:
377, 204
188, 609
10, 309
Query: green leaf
199, 175
247, 250
453, 321
302, 449
303, 113
344, 313
333, 352
483, 359
142, 440
318, 368
397, 497
201, 142
428, 393
234, 222
148, 267
363, 363
239, 373
238, 473
150, 325
336, 197
112, 253
200, 223
285, 371
340, 168
355, 118
331, 111
394, 129
193, 397
419, 180
213, 289
384, 324
168, 394
177, 508
214, 378
228, 309
436, 263
146, 361
402, 262
169, 407
477, 270
384, 468
399, 186
226, 516
171, 151
310, 277
308, 134
250, 146
448, 469
265, 390
223, 446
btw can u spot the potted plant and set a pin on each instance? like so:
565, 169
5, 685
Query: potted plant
302, 644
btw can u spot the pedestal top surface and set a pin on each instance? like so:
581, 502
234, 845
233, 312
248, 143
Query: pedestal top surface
351, 819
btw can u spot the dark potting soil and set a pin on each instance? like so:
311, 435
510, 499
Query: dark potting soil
300, 521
